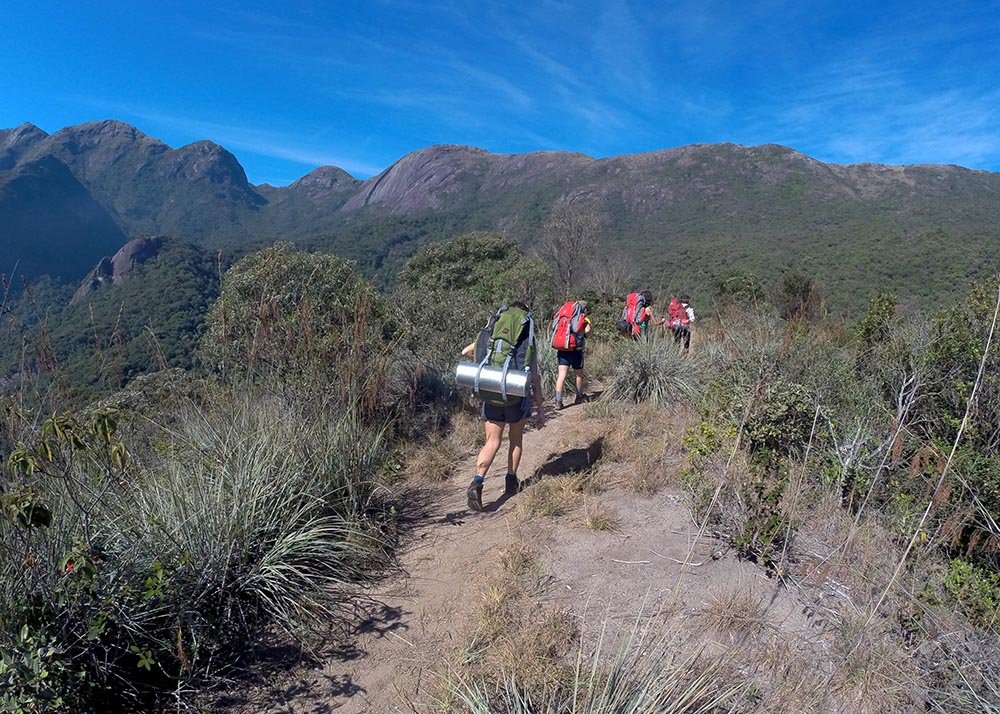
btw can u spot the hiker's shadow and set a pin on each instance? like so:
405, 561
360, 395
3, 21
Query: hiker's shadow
572, 461
495, 506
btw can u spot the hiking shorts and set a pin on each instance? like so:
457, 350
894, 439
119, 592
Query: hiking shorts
571, 358
507, 415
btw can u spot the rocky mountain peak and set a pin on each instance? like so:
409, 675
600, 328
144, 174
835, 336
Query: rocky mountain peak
120, 267
324, 181
14, 143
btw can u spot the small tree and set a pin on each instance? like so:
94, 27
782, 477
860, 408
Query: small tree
306, 318
799, 298
569, 243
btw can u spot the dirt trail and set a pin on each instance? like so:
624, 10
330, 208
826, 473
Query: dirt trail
425, 613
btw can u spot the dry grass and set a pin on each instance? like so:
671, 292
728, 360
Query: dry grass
601, 359
601, 520
874, 674
555, 495
467, 431
434, 461
647, 440
512, 631
737, 611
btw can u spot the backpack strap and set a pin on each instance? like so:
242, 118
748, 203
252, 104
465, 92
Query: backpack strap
491, 347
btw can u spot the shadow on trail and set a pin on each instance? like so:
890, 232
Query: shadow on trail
569, 462
495, 506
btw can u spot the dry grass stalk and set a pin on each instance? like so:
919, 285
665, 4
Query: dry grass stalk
602, 521
737, 612
434, 461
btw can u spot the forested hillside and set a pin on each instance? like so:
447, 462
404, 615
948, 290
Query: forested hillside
680, 219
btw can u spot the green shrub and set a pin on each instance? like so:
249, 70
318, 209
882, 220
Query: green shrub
781, 419
157, 567
448, 289
651, 370
306, 319
976, 590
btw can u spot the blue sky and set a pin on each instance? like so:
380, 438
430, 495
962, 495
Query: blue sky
289, 86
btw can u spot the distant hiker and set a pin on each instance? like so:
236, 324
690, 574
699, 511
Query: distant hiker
637, 314
570, 327
680, 315
507, 341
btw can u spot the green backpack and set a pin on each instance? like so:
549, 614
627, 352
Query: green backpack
508, 342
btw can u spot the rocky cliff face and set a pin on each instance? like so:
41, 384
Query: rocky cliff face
120, 267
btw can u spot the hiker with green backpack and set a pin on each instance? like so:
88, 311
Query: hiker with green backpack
508, 343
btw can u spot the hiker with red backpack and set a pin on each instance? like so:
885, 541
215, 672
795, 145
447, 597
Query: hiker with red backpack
680, 315
570, 327
506, 343
636, 315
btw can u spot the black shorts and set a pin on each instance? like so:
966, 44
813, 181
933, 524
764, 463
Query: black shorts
573, 358
507, 415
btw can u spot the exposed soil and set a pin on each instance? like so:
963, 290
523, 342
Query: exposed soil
398, 653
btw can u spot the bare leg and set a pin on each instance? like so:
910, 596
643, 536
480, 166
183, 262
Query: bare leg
581, 380
494, 433
561, 377
515, 437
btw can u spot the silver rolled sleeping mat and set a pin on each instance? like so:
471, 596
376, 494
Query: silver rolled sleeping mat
487, 378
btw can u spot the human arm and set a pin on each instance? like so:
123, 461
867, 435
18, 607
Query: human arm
469, 351
690, 313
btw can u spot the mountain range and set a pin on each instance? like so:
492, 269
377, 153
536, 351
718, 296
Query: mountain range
680, 217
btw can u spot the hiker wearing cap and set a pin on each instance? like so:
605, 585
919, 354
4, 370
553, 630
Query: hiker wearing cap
508, 339
570, 327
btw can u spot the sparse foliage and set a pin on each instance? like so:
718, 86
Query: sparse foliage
569, 243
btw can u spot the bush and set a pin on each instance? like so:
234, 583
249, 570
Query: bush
127, 573
651, 370
448, 289
304, 319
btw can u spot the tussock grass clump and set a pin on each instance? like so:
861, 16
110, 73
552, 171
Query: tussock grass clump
556, 495
736, 611
651, 370
160, 568
601, 520
636, 674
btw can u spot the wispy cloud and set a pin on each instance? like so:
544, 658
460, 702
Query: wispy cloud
862, 113
258, 141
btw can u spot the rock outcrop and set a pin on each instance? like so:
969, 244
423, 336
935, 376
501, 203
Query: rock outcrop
120, 267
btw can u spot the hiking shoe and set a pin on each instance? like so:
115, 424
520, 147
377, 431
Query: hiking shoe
474, 496
511, 485
581, 398
559, 404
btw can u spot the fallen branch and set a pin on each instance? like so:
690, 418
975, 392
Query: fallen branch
630, 562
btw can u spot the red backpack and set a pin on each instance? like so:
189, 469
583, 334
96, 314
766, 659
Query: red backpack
567, 327
632, 315
678, 315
